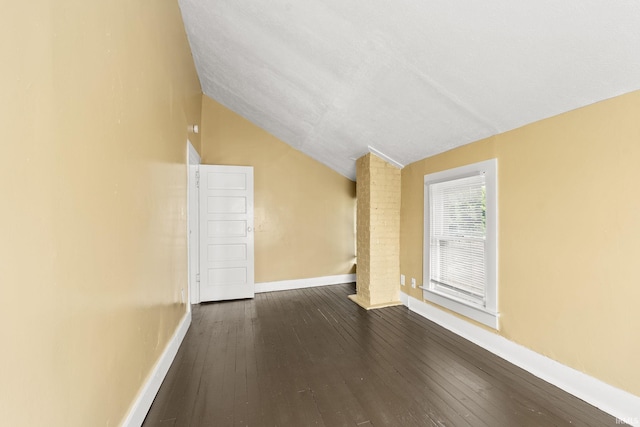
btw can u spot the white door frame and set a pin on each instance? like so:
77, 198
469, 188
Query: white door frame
193, 225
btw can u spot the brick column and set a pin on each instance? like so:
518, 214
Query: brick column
378, 233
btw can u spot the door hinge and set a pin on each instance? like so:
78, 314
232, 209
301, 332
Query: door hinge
197, 179
197, 277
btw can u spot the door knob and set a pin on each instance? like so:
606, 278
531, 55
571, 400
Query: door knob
249, 229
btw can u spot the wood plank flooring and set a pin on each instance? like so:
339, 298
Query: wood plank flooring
313, 358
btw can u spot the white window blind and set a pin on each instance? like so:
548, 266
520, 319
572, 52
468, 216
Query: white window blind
458, 238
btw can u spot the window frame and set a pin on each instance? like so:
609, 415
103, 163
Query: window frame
487, 314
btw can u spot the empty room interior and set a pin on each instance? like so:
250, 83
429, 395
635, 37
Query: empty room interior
320, 213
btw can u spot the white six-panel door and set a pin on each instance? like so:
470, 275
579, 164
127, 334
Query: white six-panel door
226, 232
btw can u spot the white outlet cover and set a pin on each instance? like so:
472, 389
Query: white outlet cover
402, 279
413, 282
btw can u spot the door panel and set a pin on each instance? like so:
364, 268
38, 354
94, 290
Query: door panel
227, 228
227, 276
227, 205
227, 181
221, 253
226, 224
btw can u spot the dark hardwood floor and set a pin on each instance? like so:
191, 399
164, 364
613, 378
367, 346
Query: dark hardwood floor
313, 357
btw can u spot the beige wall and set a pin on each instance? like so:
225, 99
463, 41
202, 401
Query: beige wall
569, 235
96, 97
304, 211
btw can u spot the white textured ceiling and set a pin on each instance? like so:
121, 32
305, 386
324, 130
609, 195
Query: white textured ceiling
408, 78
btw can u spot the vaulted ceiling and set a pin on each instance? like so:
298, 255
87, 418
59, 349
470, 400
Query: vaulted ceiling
408, 78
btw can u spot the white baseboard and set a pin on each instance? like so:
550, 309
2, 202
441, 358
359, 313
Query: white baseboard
145, 397
404, 299
619, 403
285, 285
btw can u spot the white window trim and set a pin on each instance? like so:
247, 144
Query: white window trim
487, 315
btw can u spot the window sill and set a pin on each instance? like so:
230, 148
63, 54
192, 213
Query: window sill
463, 308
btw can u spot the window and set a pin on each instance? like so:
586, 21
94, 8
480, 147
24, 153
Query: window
460, 241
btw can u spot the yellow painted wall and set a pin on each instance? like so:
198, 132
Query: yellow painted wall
569, 244
96, 98
304, 211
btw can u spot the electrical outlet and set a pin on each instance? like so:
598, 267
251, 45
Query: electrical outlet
413, 283
402, 279
182, 295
